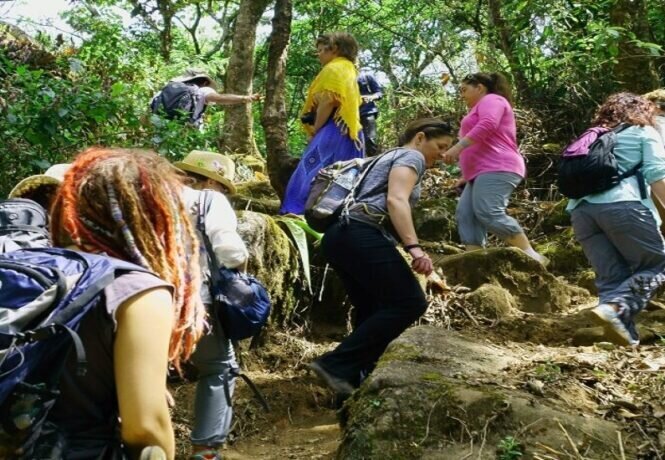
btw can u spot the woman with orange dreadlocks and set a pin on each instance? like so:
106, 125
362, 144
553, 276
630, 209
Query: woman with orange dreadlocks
127, 204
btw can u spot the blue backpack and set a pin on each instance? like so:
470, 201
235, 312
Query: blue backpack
240, 302
44, 294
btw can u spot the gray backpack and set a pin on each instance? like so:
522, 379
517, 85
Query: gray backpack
23, 224
177, 100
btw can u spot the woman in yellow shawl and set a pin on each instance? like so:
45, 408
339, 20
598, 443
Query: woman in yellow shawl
330, 116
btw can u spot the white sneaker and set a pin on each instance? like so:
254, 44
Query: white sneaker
153, 453
607, 316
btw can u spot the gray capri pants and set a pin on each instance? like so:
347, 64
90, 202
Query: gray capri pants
482, 207
214, 356
623, 244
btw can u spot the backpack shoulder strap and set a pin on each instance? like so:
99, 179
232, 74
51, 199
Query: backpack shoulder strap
204, 203
351, 197
635, 170
620, 127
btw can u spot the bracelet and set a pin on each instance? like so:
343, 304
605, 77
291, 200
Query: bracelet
408, 247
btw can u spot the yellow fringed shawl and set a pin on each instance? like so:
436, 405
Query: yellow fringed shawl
339, 77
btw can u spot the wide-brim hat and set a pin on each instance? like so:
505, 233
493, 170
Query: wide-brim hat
193, 75
53, 176
212, 165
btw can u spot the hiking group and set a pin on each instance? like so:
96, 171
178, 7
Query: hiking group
131, 240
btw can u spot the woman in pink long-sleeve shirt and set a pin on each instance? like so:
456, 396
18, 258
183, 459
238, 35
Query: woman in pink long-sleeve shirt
491, 165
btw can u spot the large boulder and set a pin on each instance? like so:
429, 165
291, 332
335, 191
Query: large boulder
273, 260
438, 395
533, 287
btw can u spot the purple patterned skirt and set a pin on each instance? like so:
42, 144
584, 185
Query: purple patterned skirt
326, 147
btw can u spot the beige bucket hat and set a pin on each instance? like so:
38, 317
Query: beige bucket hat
193, 74
53, 176
212, 165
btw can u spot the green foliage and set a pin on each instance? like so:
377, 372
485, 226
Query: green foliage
298, 234
95, 94
509, 448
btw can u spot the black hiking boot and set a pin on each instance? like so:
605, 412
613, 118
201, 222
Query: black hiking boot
340, 386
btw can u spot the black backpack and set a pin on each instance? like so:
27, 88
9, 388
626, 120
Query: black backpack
177, 99
589, 170
23, 224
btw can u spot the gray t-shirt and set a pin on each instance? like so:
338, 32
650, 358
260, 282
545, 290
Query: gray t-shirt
372, 192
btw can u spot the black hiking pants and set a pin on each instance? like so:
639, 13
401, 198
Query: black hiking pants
369, 130
383, 290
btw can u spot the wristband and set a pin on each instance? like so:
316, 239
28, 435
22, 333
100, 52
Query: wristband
408, 247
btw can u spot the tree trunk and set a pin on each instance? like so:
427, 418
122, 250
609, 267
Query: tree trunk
636, 67
506, 43
238, 132
274, 118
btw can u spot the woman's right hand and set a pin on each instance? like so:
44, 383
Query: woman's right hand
421, 262
451, 156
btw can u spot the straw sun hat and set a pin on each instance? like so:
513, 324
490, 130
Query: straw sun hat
193, 74
212, 165
53, 176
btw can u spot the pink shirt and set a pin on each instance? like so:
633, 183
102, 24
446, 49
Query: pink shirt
491, 125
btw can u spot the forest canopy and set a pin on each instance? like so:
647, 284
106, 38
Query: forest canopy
61, 92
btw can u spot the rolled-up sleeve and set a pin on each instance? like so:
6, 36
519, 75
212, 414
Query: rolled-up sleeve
221, 227
653, 156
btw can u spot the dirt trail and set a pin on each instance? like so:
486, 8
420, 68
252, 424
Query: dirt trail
302, 423
310, 437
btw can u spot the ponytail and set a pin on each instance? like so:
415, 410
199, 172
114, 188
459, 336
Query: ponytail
495, 82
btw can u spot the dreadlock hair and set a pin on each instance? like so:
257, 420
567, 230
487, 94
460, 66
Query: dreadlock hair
127, 203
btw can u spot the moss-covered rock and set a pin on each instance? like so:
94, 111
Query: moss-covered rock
273, 260
491, 301
257, 196
434, 219
432, 396
564, 252
248, 165
532, 286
